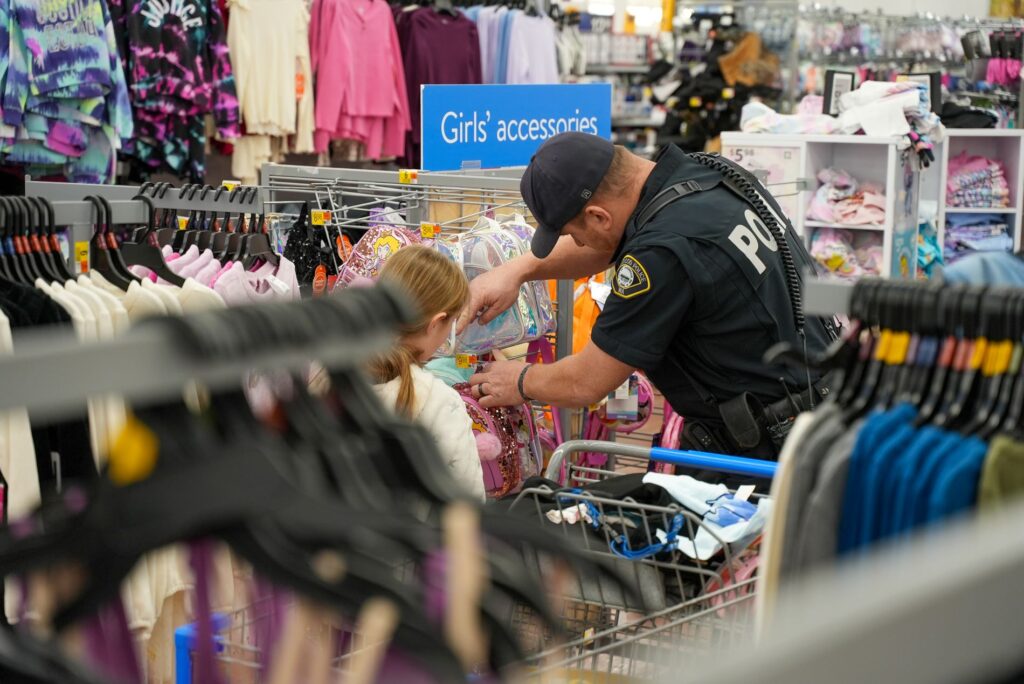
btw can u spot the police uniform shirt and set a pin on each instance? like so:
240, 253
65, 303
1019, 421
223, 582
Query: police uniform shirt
699, 293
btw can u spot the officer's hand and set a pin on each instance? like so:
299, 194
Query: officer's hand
490, 294
498, 384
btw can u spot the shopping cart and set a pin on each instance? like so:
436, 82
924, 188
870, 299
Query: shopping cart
672, 607
680, 606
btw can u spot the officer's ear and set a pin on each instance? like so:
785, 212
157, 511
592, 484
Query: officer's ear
596, 217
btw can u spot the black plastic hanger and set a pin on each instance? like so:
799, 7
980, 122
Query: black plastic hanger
6, 267
180, 237
47, 242
205, 238
115, 250
15, 262
168, 230
100, 259
146, 251
40, 255
222, 239
966, 372
950, 349
28, 264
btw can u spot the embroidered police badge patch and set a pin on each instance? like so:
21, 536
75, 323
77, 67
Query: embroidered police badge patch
631, 278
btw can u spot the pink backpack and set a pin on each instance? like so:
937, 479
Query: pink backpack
372, 251
511, 463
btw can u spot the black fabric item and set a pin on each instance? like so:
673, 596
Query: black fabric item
700, 293
27, 307
956, 116
305, 248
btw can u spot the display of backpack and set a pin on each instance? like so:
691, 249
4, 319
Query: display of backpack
371, 252
481, 249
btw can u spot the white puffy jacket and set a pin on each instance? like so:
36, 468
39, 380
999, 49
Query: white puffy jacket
440, 409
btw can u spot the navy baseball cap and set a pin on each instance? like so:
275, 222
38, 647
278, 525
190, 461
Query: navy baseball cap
561, 178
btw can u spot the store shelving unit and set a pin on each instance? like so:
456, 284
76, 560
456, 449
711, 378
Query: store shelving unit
793, 162
1005, 145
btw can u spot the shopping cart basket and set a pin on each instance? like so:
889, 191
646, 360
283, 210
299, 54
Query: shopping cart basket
681, 606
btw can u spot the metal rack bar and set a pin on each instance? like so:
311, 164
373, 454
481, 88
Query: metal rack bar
826, 297
736, 465
71, 208
52, 374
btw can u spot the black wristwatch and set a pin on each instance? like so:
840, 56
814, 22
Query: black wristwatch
522, 381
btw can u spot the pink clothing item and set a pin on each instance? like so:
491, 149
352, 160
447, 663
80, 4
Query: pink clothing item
359, 75
206, 274
183, 260
202, 261
282, 277
238, 287
142, 272
216, 276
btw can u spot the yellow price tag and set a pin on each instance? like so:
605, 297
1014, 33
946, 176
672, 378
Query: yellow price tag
429, 230
133, 454
696, 102
408, 176
319, 217
82, 256
230, 184
182, 222
466, 360
728, 93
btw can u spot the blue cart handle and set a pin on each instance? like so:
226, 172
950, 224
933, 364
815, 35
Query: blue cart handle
734, 465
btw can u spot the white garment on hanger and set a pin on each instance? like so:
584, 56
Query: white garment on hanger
18, 465
85, 328
167, 294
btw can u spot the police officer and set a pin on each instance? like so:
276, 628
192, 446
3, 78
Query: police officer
700, 291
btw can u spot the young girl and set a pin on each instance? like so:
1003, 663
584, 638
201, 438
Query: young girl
439, 289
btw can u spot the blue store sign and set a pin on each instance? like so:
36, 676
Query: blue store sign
488, 126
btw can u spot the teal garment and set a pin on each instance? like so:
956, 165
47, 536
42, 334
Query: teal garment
876, 428
878, 476
932, 464
898, 518
987, 268
955, 489
445, 369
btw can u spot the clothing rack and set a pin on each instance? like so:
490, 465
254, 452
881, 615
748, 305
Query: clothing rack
53, 374
72, 209
284, 184
925, 624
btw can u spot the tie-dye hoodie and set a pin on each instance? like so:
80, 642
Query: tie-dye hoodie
177, 59
65, 50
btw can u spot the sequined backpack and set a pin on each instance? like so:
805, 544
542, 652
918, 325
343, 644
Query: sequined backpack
371, 252
517, 458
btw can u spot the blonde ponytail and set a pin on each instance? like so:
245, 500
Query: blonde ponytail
397, 363
434, 284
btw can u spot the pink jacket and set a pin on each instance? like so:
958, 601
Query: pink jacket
360, 82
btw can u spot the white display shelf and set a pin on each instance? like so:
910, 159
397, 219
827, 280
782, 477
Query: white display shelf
793, 163
981, 210
843, 226
1006, 145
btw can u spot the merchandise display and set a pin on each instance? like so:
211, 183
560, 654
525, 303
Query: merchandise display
280, 405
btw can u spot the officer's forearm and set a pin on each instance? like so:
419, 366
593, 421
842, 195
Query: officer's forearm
578, 380
567, 261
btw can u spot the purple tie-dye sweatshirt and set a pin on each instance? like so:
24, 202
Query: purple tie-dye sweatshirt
65, 50
177, 59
